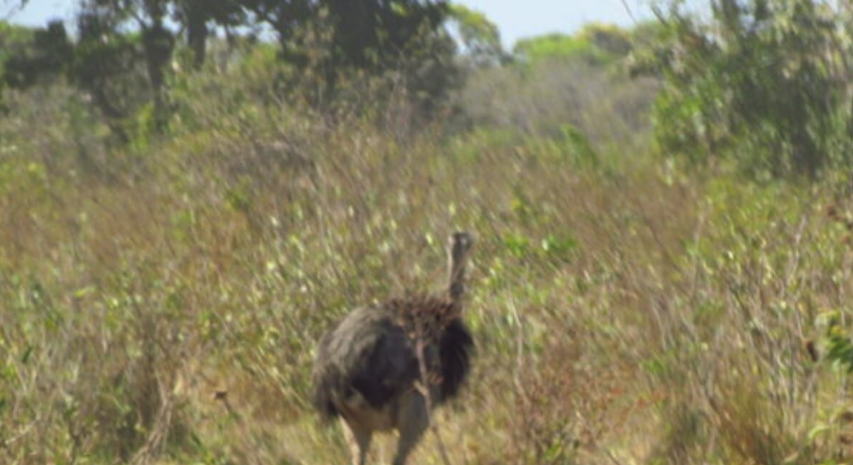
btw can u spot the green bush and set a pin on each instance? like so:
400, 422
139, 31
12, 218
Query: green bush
759, 82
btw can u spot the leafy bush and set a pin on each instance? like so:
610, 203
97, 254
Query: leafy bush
607, 107
479, 37
761, 82
594, 43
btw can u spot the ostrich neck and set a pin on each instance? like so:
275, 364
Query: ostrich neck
457, 277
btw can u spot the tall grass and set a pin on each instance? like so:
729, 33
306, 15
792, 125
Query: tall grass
160, 303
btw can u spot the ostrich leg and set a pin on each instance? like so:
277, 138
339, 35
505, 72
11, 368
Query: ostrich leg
412, 422
358, 440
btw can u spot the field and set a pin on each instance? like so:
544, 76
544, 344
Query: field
160, 300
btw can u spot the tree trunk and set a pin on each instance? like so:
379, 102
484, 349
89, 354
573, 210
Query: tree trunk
158, 43
197, 31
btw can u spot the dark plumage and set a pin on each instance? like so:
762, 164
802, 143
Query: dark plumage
367, 369
372, 352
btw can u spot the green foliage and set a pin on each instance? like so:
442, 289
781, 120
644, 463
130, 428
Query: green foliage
761, 82
13, 36
33, 57
108, 66
555, 46
608, 38
570, 90
332, 40
578, 144
102, 62
594, 43
368, 34
480, 38
197, 17
593, 107
332, 50
839, 346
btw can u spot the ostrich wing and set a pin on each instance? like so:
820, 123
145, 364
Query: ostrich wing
368, 353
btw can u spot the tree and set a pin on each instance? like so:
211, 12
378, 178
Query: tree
323, 40
595, 44
197, 16
610, 39
107, 65
765, 81
286, 18
480, 38
104, 63
336, 37
42, 56
158, 42
373, 34
158, 38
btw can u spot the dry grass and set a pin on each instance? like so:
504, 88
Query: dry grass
161, 304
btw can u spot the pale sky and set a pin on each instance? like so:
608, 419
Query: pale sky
515, 18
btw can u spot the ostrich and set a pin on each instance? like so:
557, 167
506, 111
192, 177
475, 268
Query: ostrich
383, 367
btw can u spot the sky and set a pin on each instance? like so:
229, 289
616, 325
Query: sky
515, 18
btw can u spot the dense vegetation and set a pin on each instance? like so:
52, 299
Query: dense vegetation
663, 214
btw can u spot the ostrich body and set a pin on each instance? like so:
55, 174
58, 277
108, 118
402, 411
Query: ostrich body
368, 368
